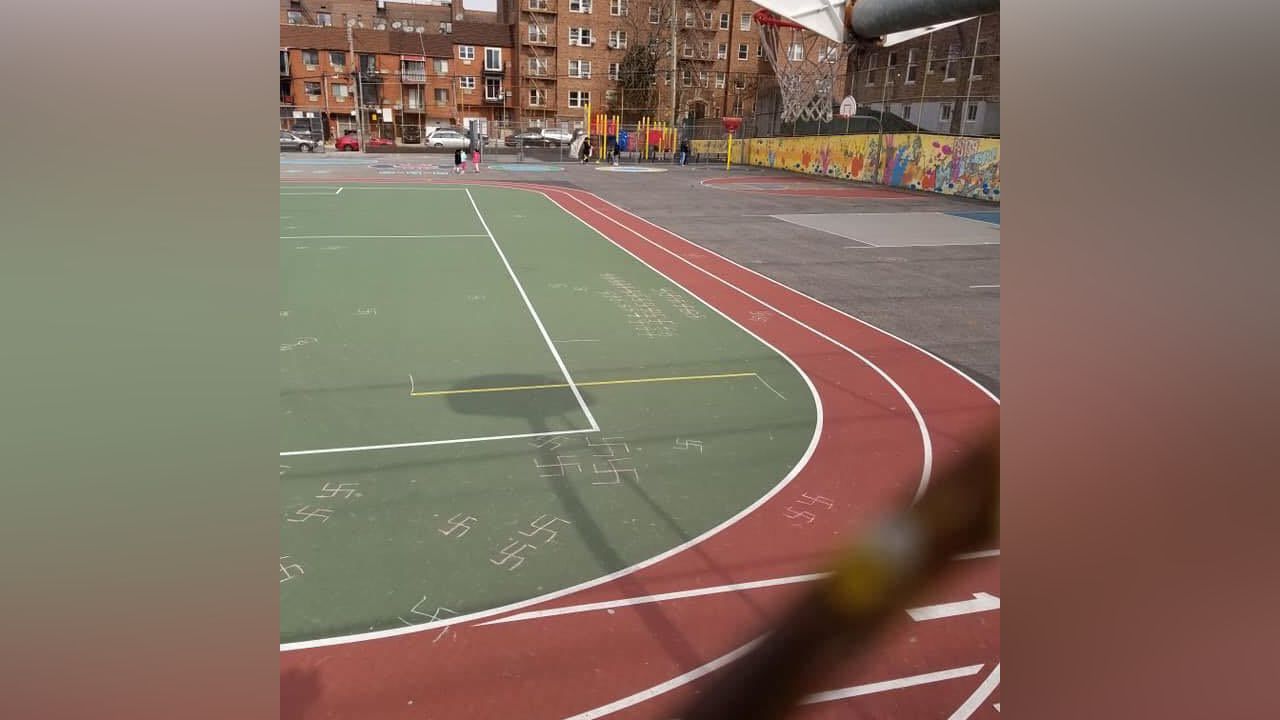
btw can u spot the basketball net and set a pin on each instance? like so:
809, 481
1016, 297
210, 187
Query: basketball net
805, 64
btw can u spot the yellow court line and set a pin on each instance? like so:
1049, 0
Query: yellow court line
630, 381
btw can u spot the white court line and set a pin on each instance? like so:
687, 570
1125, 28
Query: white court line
374, 237
925, 440
988, 223
977, 287
300, 194
978, 554
570, 341
338, 192
924, 612
548, 597
646, 599
667, 686
832, 308
886, 685
426, 443
538, 321
766, 384
978, 697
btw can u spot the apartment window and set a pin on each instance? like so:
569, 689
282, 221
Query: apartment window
795, 53
702, 78
617, 38
467, 83
466, 52
760, 51
871, 68
722, 51
737, 105
979, 60
744, 21
739, 82
580, 6
580, 68
414, 70
906, 112
538, 66
340, 92
493, 89
971, 112
579, 98
440, 66
688, 18
719, 80
686, 77
537, 96
706, 50
311, 58
830, 54
537, 34
614, 69
743, 51
368, 64
655, 15
580, 36
537, 4
312, 89
913, 68
687, 50
413, 97
724, 21
325, 19
618, 7
707, 19
953, 62
295, 17
337, 59
945, 114
284, 62
493, 59
442, 96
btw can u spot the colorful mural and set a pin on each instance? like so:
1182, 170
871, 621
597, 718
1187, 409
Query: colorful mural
969, 167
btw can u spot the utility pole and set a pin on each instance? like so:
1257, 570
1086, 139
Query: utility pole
359, 73
733, 17
675, 60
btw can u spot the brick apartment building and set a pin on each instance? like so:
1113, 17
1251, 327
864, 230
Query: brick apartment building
397, 67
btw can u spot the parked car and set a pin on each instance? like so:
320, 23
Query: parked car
534, 138
381, 142
446, 138
350, 140
561, 136
290, 141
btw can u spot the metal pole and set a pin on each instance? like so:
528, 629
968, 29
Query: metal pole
924, 80
873, 18
675, 61
973, 63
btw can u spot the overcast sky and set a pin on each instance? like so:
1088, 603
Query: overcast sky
490, 5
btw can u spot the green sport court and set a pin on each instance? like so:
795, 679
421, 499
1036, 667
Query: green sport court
484, 401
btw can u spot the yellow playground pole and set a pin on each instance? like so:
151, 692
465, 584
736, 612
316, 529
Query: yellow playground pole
728, 156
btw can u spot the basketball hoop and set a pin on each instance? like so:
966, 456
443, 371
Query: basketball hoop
731, 124
805, 63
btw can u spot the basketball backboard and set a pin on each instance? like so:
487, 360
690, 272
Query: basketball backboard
825, 17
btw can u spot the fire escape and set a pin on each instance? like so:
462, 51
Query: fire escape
699, 21
538, 61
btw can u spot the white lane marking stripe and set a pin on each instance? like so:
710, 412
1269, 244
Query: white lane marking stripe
886, 685
660, 597
981, 602
373, 237
978, 554
978, 697
428, 443
534, 313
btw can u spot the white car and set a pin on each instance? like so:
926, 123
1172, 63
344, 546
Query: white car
446, 138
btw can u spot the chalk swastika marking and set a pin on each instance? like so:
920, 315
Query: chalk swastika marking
544, 524
305, 513
366, 311
546, 442
686, 444
608, 444
512, 553
807, 499
460, 523
558, 468
287, 572
805, 515
345, 489
614, 468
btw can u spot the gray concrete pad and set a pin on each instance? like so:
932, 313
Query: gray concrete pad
903, 229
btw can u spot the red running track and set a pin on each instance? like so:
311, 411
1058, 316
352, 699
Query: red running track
869, 456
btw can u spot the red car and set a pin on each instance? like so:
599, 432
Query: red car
380, 142
349, 141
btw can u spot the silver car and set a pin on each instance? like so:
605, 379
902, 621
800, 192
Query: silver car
446, 138
289, 141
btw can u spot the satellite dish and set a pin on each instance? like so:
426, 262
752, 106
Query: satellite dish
351, 22
396, 25
421, 29
360, 24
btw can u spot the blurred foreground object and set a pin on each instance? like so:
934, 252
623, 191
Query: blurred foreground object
874, 580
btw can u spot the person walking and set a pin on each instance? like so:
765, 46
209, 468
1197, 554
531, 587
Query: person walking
684, 152
475, 158
586, 149
459, 159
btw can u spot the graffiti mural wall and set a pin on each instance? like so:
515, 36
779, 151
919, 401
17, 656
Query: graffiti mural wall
968, 167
